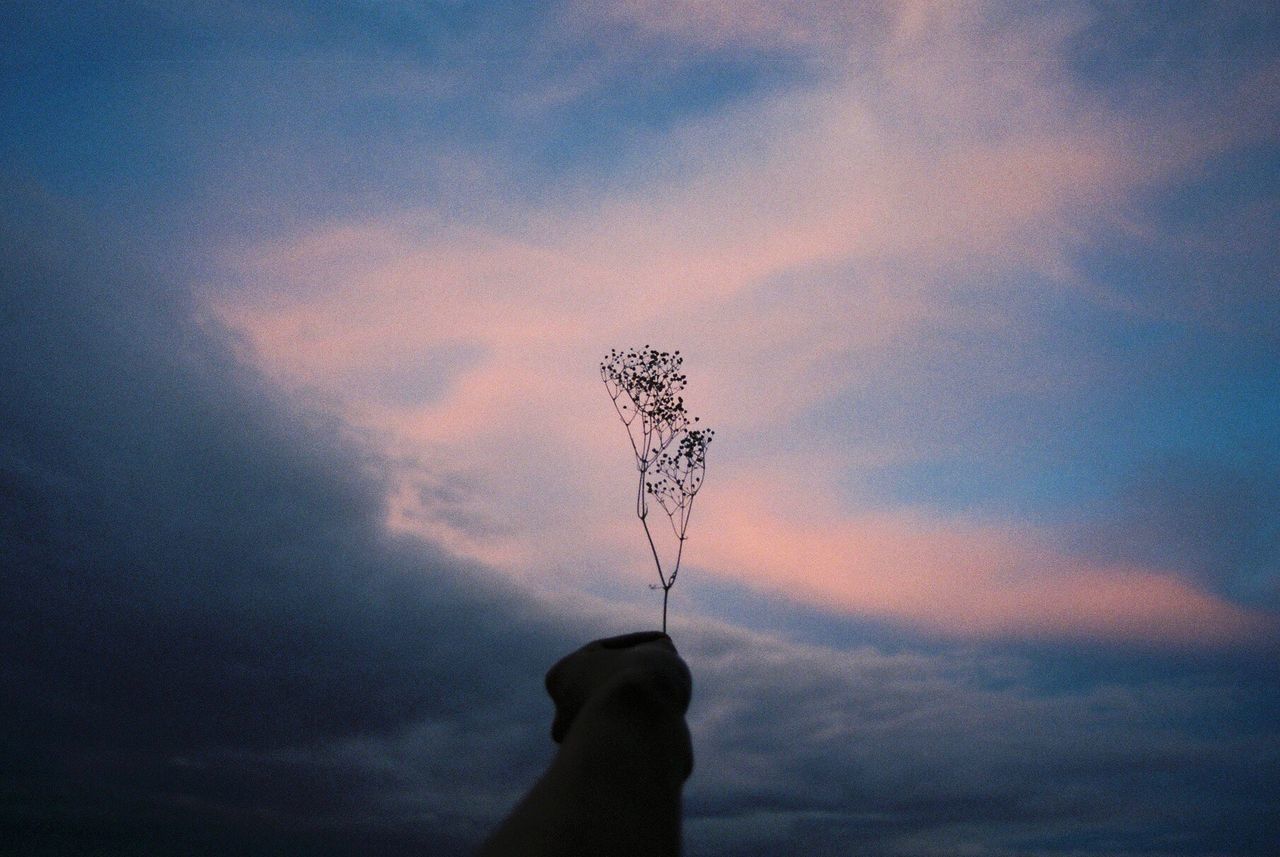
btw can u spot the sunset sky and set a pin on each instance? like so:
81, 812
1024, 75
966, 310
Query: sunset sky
307, 472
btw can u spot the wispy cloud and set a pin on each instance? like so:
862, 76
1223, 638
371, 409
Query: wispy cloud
813, 240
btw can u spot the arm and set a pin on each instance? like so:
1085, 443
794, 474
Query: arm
614, 787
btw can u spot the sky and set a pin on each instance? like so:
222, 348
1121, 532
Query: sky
307, 474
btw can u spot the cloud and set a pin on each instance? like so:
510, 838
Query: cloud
198, 594
908, 226
914, 754
961, 577
211, 643
801, 24
871, 233
1207, 519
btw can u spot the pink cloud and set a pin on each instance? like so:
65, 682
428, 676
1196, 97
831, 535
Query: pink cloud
957, 577
959, 155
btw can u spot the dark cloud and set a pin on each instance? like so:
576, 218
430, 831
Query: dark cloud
957, 752
195, 567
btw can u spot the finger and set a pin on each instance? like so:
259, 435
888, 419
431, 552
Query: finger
560, 725
626, 641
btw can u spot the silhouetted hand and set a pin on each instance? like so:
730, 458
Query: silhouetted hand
646, 658
625, 752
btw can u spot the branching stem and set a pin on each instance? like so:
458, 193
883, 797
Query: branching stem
645, 386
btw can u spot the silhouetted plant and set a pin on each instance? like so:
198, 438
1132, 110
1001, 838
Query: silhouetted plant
670, 452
